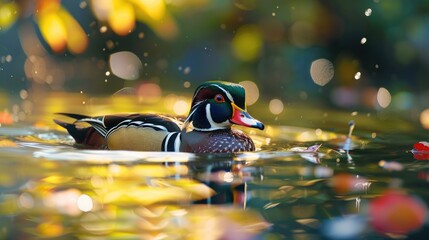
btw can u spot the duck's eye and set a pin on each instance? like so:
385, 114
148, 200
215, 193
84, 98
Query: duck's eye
219, 98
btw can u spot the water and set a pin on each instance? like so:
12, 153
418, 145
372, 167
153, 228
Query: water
285, 190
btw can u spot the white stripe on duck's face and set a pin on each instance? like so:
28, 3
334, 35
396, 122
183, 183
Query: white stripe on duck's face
217, 125
210, 116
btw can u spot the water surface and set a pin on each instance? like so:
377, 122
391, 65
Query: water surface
285, 190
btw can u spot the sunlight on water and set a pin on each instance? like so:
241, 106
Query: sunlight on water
288, 187
106, 156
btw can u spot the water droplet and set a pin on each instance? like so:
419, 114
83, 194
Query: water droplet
368, 12
23, 94
357, 75
83, 5
274, 14
103, 29
187, 70
276, 106
110, 44
107, 73
363, 40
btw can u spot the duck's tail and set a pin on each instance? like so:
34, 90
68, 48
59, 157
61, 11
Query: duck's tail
86, 137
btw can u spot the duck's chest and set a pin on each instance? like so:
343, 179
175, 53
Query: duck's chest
222, 141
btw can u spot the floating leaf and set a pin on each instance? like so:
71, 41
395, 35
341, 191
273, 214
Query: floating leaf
421, 150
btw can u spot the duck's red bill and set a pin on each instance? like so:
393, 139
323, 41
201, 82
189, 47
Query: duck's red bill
241, 117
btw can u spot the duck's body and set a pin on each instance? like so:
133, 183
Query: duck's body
214, 109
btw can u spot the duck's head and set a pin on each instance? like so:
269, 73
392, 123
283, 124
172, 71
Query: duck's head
217, 105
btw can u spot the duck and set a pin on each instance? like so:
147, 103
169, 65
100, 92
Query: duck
216, 106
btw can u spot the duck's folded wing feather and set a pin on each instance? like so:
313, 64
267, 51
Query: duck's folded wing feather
108, 124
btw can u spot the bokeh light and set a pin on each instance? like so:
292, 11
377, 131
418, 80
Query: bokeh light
149, 92
424, 118
9, 12
345, 227
322, 71
383, 97
54, 31
276, 106
368, 12
125, 65
84, 203
59, 28
247, 43
396, 213
181, 107
252, 92
302, 34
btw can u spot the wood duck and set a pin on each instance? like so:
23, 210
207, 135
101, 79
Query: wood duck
216, 106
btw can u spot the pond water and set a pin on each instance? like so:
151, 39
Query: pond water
366, 186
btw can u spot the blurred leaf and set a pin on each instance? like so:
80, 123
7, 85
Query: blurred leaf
122, 17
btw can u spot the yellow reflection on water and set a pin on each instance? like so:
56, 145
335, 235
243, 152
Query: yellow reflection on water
120, 200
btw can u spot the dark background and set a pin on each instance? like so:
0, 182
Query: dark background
293, 34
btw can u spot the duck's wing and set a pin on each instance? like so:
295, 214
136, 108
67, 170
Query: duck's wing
108, 124
142, 132
145, 132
